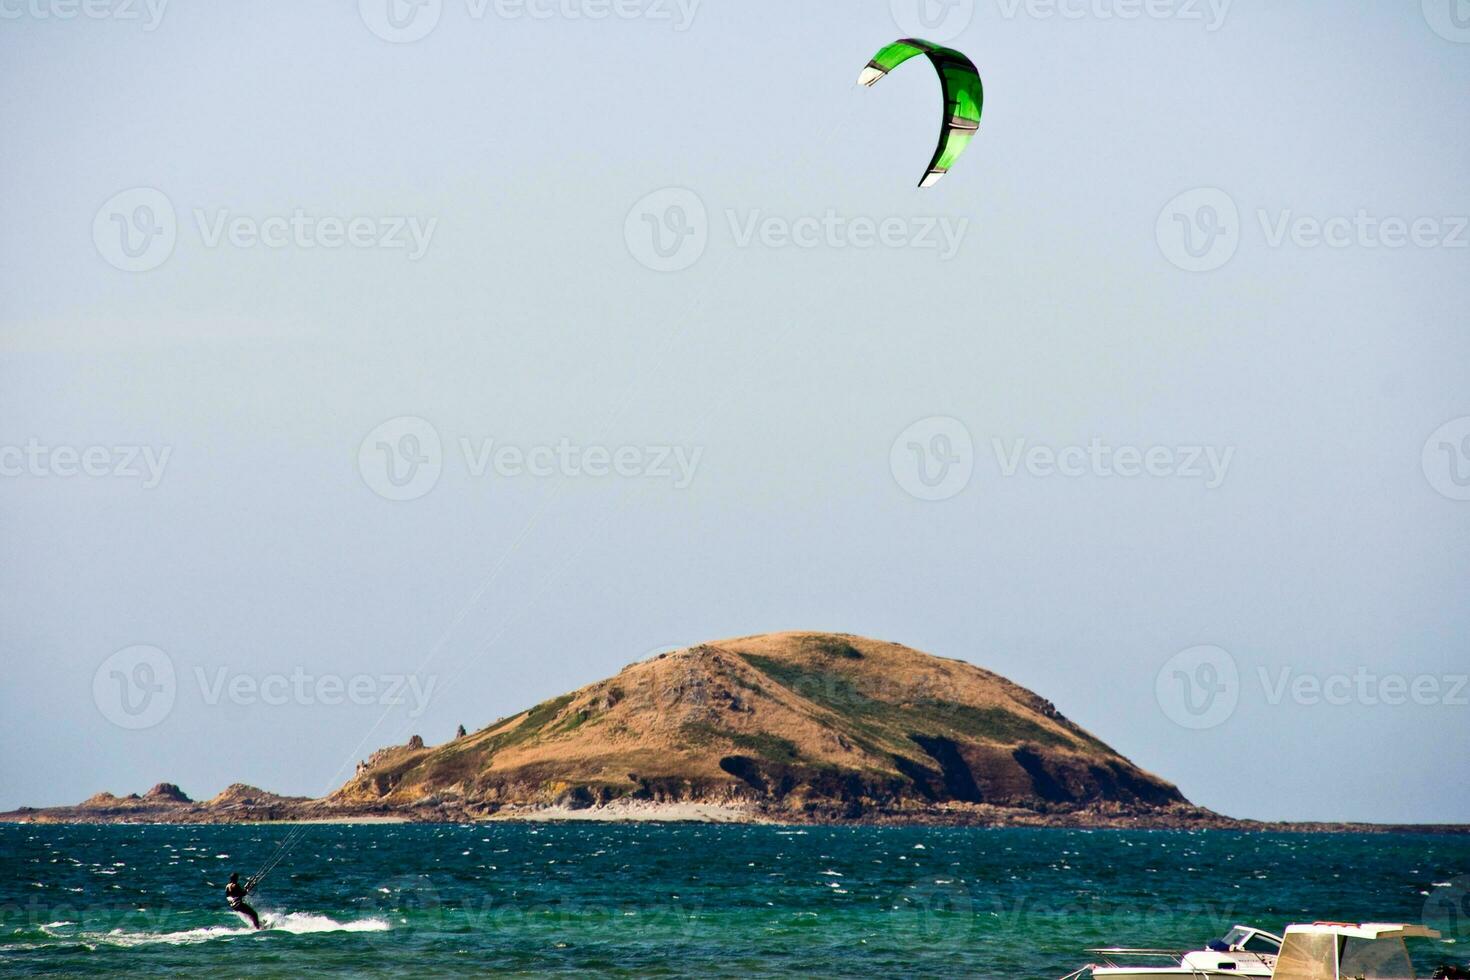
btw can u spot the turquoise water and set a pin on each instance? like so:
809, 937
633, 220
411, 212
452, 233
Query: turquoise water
664, 900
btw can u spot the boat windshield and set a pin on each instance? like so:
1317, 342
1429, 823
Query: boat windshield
1252, 941
1376, 959
1308, 956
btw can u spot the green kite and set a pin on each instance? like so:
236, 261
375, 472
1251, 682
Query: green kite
963, 96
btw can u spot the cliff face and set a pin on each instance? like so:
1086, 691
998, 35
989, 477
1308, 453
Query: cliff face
792, 724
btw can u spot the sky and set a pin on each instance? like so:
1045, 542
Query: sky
368, 371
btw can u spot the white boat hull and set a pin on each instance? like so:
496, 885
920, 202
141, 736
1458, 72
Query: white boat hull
1165, 972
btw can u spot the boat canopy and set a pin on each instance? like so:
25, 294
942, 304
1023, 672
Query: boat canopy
1343, 950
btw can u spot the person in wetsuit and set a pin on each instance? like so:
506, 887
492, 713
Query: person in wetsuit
235, 897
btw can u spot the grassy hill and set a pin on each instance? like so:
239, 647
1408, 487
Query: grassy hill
813, 724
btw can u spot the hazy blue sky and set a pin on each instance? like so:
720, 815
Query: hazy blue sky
1130, 263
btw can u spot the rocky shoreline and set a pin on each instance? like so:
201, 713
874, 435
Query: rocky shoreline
165, 803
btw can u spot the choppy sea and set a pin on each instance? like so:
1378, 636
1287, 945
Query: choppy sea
689, 900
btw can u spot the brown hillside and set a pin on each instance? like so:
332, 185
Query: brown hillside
790, 722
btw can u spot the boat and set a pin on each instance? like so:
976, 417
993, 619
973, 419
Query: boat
1319, 951
1244, 951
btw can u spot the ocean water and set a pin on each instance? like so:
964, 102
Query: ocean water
672, 900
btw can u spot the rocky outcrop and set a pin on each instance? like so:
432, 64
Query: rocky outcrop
167, 803
167, 792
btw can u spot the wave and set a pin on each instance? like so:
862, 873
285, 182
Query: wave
304, 922
294, 923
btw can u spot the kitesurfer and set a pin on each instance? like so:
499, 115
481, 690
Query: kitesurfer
235, 897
